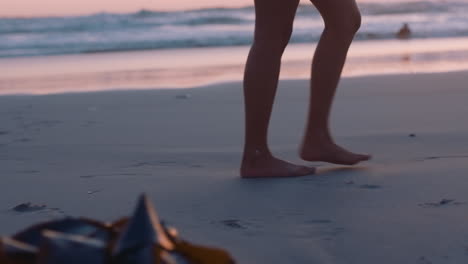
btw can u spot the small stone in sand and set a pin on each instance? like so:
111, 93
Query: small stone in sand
233, 223
412, 135
446, 201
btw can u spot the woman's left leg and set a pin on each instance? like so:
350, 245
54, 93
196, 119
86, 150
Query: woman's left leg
342, 20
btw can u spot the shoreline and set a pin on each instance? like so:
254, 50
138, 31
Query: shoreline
197, 67
184, 91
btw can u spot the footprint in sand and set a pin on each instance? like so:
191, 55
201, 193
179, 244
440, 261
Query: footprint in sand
23, 140
28, 171
337, 231
18, 118
93, 191
445, 157
183, 96
163, 163
319, 221
89, 123
370, 186
332, 233
151, 163
443, 202
28, 207
90, 176
35, 208
49, 123
251, 227
424, 260
140, 164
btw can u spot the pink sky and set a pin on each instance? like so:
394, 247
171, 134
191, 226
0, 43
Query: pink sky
67, 7
60, 7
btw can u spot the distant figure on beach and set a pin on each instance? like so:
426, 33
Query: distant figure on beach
273, 28
404, 32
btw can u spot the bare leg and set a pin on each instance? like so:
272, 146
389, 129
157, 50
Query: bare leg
342, 20
273, 27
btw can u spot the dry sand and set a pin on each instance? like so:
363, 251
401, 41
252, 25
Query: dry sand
91, 154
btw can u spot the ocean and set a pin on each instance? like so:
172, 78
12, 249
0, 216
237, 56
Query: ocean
181, 49
213, 27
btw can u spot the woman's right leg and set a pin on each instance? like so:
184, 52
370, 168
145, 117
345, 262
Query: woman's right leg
273, 28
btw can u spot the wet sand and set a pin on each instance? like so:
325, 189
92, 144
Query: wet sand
185, 68
91, 154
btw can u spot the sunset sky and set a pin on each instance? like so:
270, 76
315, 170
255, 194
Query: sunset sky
69, 7
59, 7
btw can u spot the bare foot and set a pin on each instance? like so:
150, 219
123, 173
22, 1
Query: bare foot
331, 153
264, 166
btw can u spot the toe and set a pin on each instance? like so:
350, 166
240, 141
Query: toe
366, 157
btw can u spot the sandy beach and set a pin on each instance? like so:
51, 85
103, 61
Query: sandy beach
91, 154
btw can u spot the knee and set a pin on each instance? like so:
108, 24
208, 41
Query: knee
346, 25
275, 41
355, 21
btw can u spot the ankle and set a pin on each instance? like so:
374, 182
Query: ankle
251, 154
255, 152
318, 137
